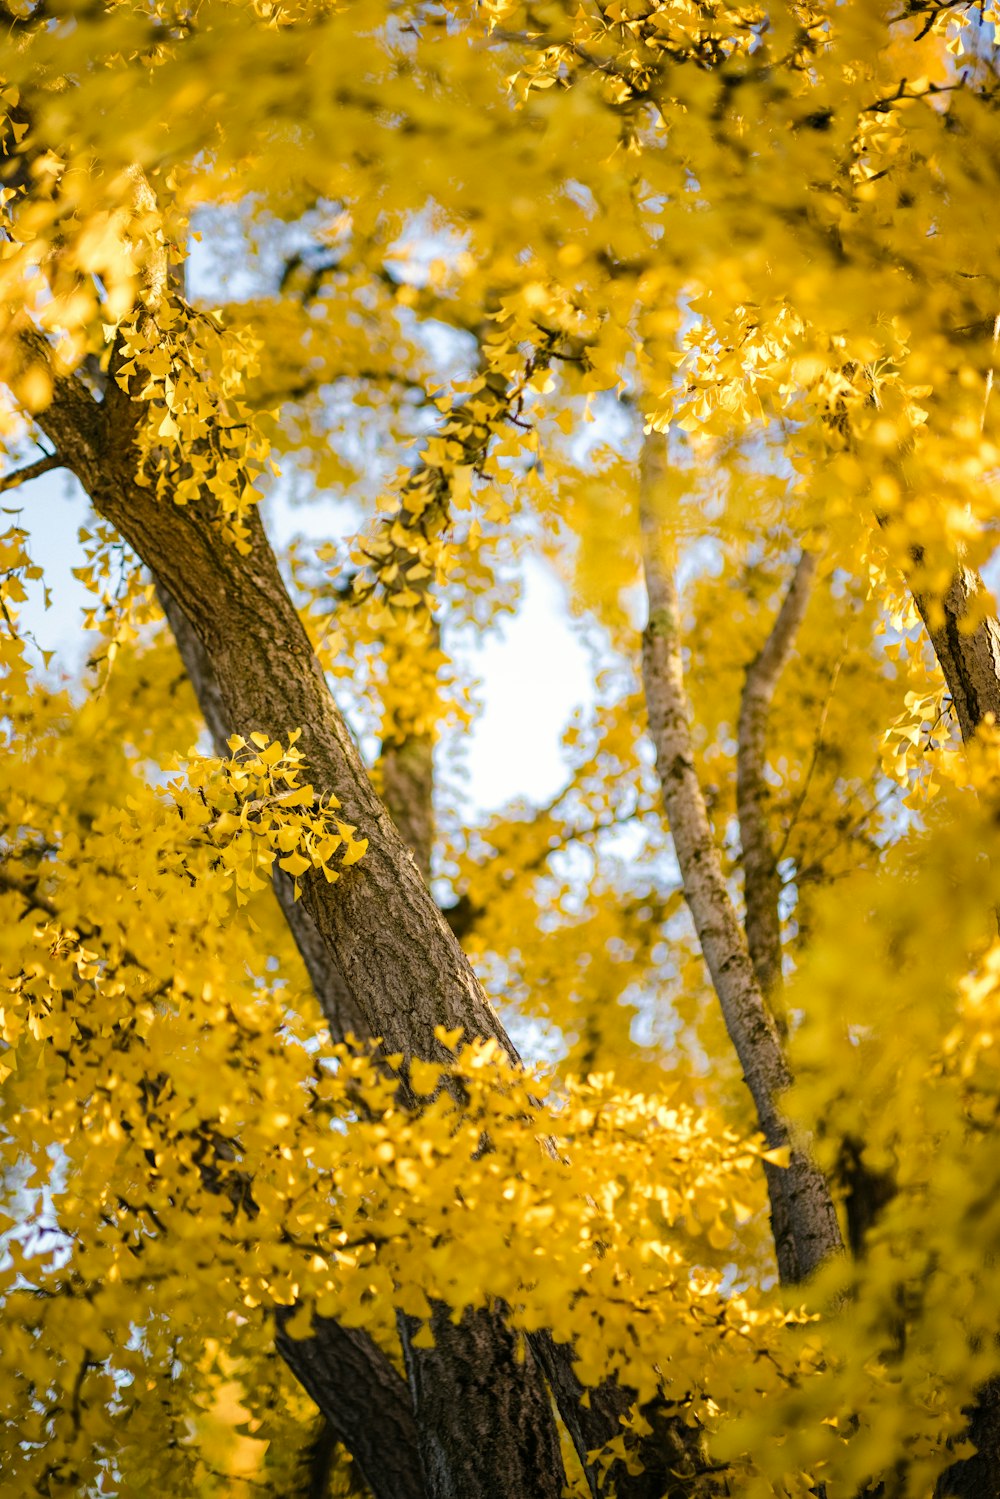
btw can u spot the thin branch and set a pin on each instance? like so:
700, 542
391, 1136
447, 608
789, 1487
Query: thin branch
31, 471
761, 886
803, 1217
799, 803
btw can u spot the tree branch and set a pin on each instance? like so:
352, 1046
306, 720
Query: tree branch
969, 658
30, 471
364, 1401
803, 1215
761, 886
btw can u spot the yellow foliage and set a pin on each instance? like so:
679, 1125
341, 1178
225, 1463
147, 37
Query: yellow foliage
466, 256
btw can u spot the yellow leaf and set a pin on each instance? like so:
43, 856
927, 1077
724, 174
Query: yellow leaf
355, 852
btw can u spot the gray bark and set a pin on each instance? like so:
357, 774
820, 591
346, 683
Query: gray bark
804, 1217
761, 884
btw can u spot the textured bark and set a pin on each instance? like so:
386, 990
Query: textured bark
407, 770
804, 1218
866, 1194
761, 885
401, 963
978, 1476
378, 926
477, 1352
343, 1371
342, 1015
461, 1454
321, 1456
672, 1457
365, 1402
969, 659
30, 471
590, 1426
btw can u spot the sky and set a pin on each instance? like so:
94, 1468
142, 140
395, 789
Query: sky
535, 671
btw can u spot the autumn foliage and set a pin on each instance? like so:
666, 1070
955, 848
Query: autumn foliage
354, 1139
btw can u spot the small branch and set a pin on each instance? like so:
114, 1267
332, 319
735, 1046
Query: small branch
761, 885
31, 471
796, 811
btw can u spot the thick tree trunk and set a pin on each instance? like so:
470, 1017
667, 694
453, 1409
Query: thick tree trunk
804, 1217
378, 926
375, 943
342, 1015
978, 1476
401, 963
592, 1418
363, 1402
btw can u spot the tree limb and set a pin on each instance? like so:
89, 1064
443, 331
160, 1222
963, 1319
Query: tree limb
30, 471
803, 1215
761, 885
969, 658
365, 1402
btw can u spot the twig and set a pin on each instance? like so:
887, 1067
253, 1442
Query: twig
31, 471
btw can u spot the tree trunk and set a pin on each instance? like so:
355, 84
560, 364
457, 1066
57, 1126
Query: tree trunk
378, 926
482, 1432
978, 1476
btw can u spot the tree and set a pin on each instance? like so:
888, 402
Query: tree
696, 303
